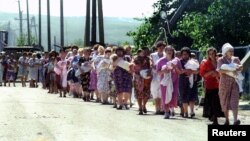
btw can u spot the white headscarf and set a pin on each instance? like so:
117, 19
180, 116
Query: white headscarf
225, 48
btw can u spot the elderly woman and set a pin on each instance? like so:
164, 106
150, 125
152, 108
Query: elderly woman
34, 63
11, 71
93, 76
228, 86
212, 108
84, 66
104, 76
123, 81
23, 68
61, 71
142, 82
169, 69
51, 76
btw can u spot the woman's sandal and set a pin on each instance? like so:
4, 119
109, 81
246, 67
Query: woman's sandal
237, 122
226, 123
192, 115
140, 112
119, 108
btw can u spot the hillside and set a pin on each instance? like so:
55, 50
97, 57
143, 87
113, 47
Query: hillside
115, 28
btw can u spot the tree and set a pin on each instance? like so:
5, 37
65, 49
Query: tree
205, 23
23, 40
147, 33
79, 42
224, 21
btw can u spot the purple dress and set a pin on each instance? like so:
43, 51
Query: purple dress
175, 80
123, 80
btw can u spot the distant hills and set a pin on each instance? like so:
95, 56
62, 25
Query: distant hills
115, 28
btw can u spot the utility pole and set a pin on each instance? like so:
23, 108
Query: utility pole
62, 23
48, 20
33, 26
40, 25
87, 25
101, 25
20, 19
55, 43
28, 22
93, 40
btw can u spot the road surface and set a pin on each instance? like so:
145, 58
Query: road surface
30, 114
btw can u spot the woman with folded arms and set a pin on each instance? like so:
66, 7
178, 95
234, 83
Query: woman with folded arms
212, 108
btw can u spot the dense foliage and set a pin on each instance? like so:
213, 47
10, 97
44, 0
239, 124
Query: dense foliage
204, 23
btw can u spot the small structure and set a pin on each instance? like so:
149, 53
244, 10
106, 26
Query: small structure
3, 39
243, 53
14, 49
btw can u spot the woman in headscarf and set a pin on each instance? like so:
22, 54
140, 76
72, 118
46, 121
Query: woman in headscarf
212, 108
228, 86
142, 80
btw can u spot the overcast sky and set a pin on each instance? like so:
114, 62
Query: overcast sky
111, 8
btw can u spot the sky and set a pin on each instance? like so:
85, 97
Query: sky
111, 8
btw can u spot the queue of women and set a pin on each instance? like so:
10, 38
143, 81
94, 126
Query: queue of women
109, 75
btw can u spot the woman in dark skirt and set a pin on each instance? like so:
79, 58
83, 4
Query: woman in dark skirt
85, 75
212, 108
142, 84
123, 82
188, 95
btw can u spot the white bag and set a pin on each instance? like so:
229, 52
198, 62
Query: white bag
123, 64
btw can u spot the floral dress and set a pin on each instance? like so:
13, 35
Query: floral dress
123, 80
85, 76
142, 86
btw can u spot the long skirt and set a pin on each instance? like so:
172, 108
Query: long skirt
228, 93
22, 71
113, 92
187, 94
85, 82
142, 87
93, 80
1, 75
58, 82
11, 75
212, 104
155, 87
174, 100
103, 79
123, 80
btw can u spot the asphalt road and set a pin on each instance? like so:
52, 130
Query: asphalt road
30, 114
